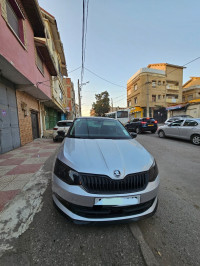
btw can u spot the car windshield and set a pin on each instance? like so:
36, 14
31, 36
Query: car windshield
93, 128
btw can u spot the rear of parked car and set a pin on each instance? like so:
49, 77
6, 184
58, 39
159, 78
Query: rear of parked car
61, 129
140, 125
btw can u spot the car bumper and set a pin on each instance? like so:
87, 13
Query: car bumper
79, 205
148, 128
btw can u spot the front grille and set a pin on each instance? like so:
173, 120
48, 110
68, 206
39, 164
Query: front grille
99, 184
106, 211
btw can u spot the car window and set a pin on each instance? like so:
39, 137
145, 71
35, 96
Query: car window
177, 123
134, 120
190, 123
61, 124
98, 129
68, 124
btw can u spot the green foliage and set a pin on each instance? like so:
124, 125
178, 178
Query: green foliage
102, 104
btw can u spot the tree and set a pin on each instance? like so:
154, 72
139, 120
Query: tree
102, 104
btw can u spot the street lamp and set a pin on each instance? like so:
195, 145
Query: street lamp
79, 94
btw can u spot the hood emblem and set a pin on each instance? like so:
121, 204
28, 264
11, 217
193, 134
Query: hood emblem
117, 173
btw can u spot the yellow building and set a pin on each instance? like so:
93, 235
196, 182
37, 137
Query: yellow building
191, 89
57, 107
153, 88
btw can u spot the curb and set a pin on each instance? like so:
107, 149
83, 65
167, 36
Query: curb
148, 255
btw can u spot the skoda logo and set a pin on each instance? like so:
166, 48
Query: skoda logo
117, 173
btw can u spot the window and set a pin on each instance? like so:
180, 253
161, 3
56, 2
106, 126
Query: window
159, 97
163, 96
154, 83
129, 92
61, 95
122, 114
190, 123
39, 62
135, 100
15, 19
190, 97
176, 123
153, 98
183, 98
163, 82
135, 87
159, 82
129, 103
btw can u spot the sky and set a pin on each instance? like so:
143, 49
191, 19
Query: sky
124, 36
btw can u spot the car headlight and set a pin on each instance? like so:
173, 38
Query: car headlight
153, 172
66, 174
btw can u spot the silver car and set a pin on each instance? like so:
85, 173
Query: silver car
183, 128
102, 174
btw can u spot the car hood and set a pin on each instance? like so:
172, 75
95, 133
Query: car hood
104, 156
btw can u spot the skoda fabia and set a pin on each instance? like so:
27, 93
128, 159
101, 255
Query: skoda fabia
102, 174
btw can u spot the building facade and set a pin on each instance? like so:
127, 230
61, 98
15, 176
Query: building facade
32, 96
153, 88
191, 89
22, 66
69, 90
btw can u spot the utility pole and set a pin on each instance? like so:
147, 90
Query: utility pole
147, 83
79, 99
111, 104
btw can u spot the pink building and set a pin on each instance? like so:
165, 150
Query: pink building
26, 67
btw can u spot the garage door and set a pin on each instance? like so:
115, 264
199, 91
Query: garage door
9, 125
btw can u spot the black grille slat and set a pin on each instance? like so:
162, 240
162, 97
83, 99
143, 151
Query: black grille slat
104, 185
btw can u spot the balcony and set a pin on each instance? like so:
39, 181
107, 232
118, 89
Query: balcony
172, 87
171, 100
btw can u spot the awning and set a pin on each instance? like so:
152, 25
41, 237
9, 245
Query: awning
136, 109
47, 58
176, 107
195, 101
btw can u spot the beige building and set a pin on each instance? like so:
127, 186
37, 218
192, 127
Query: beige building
191, 89
153, 88
55, 109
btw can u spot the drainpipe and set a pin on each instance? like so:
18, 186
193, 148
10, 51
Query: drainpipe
41, 121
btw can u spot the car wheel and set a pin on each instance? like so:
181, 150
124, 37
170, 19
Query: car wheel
161, 134
138, 130
195, 139
153, 131
54, 140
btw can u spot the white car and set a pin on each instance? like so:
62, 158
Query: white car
102, 174
61, 129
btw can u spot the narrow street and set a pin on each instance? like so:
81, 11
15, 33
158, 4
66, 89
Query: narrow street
172, 234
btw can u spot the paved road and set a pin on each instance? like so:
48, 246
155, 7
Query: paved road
172, 234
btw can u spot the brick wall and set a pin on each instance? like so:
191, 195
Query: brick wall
25, 104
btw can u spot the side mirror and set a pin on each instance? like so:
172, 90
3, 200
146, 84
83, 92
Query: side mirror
133, 135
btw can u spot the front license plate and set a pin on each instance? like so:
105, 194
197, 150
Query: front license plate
118, 201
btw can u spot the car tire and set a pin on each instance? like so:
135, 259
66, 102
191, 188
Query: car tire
195, 139
153, 131
54, 140
138, 130
161, 134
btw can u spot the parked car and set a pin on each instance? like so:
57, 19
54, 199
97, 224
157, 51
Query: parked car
174, 118
101, 174
61, 129
185, 128
140, 125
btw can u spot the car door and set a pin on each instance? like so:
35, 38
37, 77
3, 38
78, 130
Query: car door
172, 129
187, 128
133, 124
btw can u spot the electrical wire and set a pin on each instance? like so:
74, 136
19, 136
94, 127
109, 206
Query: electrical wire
104, 78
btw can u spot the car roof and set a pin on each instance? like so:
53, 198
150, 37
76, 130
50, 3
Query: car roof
65, 121
95, 117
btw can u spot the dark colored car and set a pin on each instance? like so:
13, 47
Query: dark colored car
140, 125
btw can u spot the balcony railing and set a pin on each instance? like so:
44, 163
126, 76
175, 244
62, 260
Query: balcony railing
171, 100
172, 87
